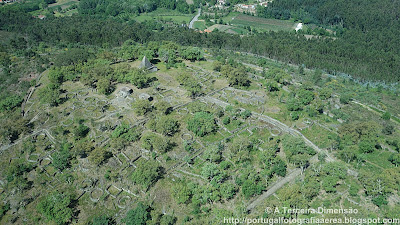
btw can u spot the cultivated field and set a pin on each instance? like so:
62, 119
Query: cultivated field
262, 23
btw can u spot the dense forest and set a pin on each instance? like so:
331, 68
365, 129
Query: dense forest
366, 46
369, 30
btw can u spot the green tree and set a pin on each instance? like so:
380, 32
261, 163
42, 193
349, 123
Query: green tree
141, 107
3, 209
153, 141
366, 146
62, 157
272, 86
10, 102
239, 77
50, 94
56, 207
386, 115
226, 120
305, 96
163, 107
56, 75
217, 65
102, 220
239, 150
73, 56
168, 220
138, 78
5, 60
146, 173
245, 114
202, 124
345, 98
124, 131
99, 155
228, 190
192, 54
104, 86
251, 188
210, 170
317, 76
81, 130
167, 125
395, 159
213, 153
181, 192
138, 216
297, 151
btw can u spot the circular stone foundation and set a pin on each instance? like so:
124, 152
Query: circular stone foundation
90, 107
86, 184
95, 194
187, 137
183, 111
123, 202
82, 93
275, 132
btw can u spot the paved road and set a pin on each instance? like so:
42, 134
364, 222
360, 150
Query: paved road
194, 19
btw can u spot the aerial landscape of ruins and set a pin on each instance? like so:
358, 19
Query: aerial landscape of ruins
199, 112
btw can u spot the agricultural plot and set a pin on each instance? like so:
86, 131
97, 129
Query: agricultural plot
166, 15
200, 25
262, 23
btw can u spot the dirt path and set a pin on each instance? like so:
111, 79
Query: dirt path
278, 124
274, 188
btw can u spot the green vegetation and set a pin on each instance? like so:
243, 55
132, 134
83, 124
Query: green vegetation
202, 124
208, 125
56, 207
262, 24
147, 173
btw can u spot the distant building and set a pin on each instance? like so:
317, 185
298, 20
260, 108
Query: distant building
245, 8
146, 64
205, 31
41, 17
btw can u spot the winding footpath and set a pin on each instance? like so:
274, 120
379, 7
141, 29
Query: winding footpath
278, 124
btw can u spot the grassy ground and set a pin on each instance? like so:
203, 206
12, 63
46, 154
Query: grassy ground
228, 29
63, 4
165, 14
201, 25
